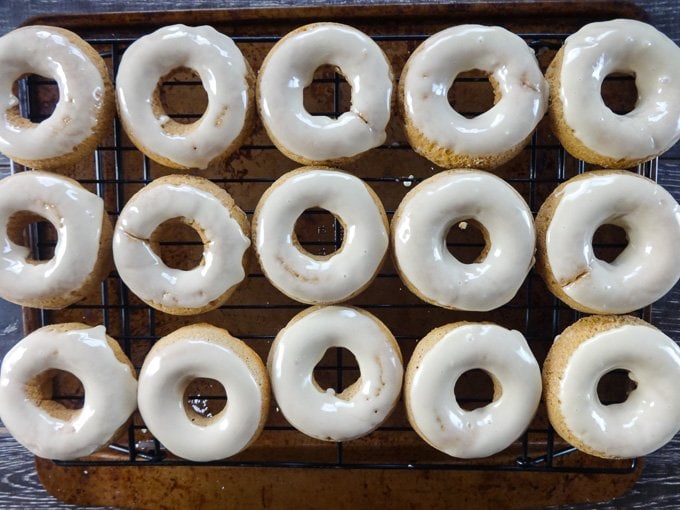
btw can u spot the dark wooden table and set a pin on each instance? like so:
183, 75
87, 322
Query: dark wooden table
659, 485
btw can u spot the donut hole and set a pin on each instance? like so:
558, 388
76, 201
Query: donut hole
337, 372
466, 241
204, 399
328, 94
178, 244
42, 94
619, 92
474, 389
472, 93
609, 241
34, 232
181, 97
318, 233
58, 392
614, 387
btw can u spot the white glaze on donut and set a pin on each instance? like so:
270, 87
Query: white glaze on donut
144, 271
47, 51
203, 351
649, 417
644, 271
109, 384
422, 222
299, 274
289, 68
631, 47
76, 215
320, 412
511, 64
447, 353
223, 72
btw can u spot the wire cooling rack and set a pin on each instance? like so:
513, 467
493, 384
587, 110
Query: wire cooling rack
257, 311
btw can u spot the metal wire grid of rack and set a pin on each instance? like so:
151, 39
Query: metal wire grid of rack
119, 169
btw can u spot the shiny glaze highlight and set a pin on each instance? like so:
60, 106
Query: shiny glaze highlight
512, 68
289, 68
447, 353
629, 47
649, 417
224, 75
203, 351
320, 279
110, 391
47, 52
422, 222
320, 412
143, 270
76, 215
648, 266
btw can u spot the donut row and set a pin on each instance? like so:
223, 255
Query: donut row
579, 358
566, 225
580, 118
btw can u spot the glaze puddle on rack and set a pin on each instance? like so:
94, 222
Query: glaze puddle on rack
393, 466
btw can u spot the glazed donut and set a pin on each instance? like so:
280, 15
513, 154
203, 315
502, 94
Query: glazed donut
422, 221
82, 255
289, 68
227, 80
320, 412
203, 351
567, 221
85, 108
320, 279
444, 136
441, 358
582, 355
584, 123
44, 426
209, 210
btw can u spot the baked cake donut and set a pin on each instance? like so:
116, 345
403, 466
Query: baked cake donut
437, 131
45, 426
203, 351
422, 221
209, 210
317, 279
320, 412
226, 77
85, 108
289, 68
584, 124
593, 347
645, 270
82, 255
441, 358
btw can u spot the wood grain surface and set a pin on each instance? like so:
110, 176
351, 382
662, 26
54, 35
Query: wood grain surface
659, 485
